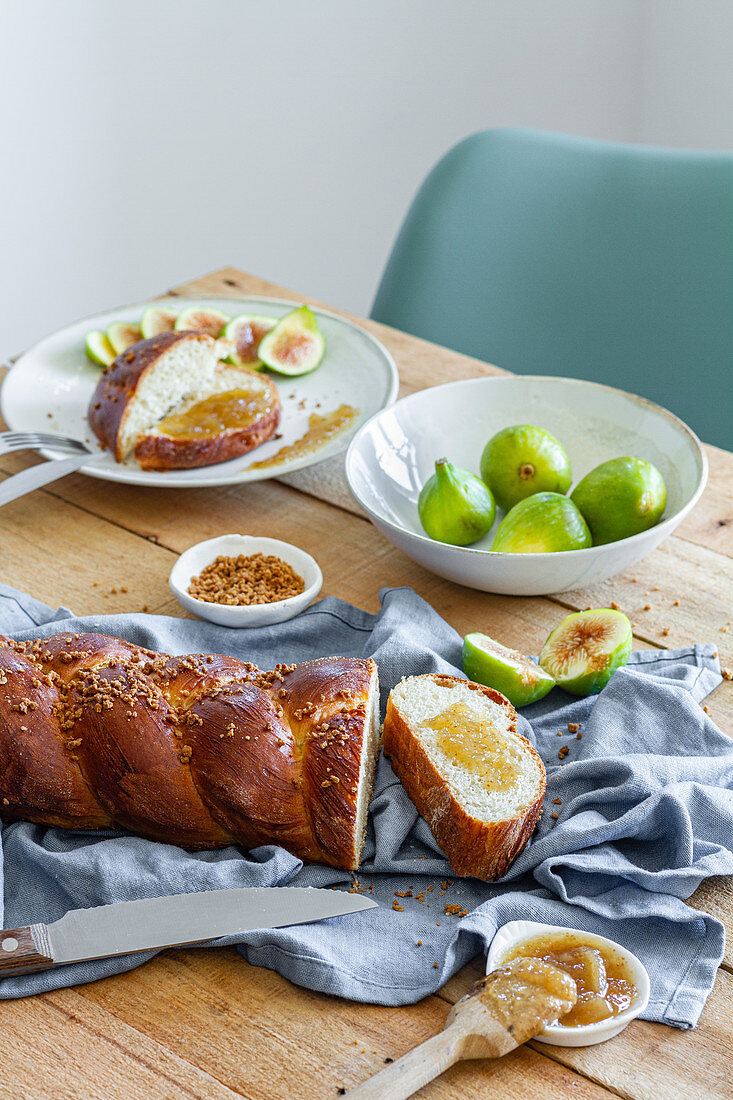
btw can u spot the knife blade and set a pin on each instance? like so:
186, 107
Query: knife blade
36, 476
172, 921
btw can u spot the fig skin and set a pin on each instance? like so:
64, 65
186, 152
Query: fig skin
620, 498
523, 460
585, 628
506, 670
544, 523
455, 506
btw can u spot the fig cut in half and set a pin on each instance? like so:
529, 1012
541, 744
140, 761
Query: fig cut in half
506, 670
122, 335
584, 651
156, 320
200, 319
98, 348
295, 345
246, 333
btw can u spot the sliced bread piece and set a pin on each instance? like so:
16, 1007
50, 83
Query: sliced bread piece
239, 411
479, 785
145, 382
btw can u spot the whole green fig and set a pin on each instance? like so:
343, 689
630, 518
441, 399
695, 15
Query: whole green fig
523, 460
455, 506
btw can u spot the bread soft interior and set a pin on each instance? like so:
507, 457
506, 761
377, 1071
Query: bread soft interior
223, 380
183, 373
420, 699
369, 753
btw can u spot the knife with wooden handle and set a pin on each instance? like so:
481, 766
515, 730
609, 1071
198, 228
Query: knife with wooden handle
174, 921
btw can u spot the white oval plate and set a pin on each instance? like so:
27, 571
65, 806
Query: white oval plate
585, 1035
56, 377
391, 458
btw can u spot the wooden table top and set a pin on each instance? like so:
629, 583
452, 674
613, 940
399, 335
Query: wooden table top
204, 1023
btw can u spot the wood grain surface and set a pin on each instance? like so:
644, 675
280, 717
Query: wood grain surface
195, 1023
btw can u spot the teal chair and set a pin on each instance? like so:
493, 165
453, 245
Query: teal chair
548, 254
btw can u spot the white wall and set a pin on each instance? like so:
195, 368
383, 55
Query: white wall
686, 94
148, 142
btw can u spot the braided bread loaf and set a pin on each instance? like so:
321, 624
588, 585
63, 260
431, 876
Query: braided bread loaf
200, 751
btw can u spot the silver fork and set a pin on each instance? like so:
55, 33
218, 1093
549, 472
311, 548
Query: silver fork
28, 480
23, 441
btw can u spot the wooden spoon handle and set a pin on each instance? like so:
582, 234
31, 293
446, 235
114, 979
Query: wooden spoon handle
414, 1069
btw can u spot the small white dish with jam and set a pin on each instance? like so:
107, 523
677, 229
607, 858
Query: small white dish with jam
613, 985
192, 563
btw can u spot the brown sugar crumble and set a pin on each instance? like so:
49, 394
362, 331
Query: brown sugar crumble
573, 727
563, 751
245, 580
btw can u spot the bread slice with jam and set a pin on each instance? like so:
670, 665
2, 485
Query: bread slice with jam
163, 399
478, 783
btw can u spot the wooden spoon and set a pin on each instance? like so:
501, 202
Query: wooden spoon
502, 1011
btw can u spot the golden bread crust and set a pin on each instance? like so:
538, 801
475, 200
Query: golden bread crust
201, 751
119, 383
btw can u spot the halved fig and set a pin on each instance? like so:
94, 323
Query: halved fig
156, 320
295, 345
98, 348
122, 335
201, 319
584, 651
506, 670
246, 333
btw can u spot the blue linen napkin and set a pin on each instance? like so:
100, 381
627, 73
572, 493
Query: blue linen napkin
645, 814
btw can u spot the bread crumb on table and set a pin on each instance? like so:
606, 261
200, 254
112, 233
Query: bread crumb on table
573, 727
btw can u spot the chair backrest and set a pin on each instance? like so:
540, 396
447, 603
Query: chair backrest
549, 254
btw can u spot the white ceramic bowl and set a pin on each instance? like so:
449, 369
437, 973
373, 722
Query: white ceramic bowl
393, 455
585, 1035
193, 560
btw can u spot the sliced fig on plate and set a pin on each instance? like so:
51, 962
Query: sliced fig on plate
295, 345
584, 651
201, 319
156, 320
98, 348
122, 335
246, 333
506, 670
